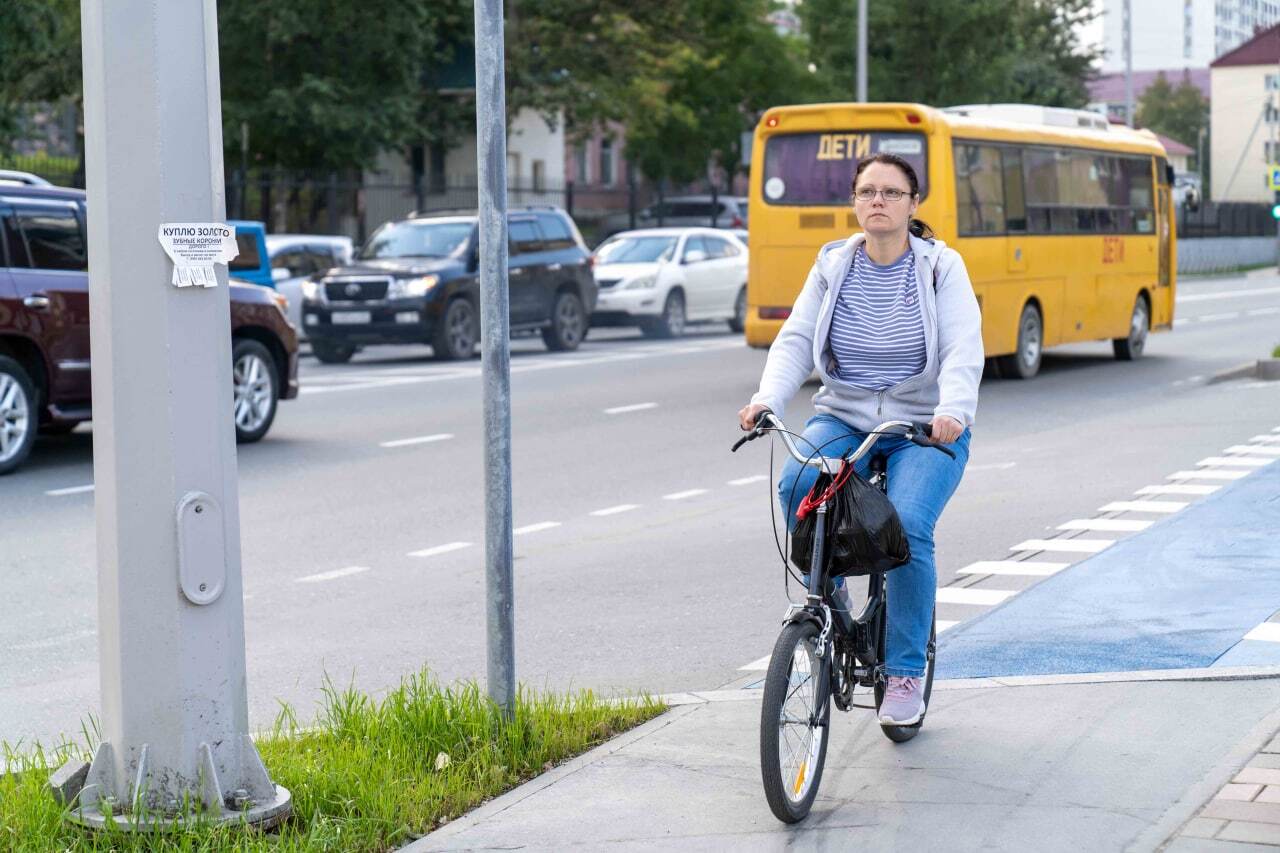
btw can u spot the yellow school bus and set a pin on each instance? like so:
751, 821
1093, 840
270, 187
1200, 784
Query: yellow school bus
1064, 222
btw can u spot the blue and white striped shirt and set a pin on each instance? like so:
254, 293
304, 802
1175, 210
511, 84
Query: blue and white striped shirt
877, 330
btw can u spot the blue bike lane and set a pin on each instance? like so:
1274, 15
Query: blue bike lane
1182, 594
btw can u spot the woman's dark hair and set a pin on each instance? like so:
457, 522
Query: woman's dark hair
915, 226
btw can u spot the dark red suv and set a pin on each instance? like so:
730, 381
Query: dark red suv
44, 328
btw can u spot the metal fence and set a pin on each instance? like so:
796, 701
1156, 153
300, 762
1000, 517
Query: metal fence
1226, 219
354, 203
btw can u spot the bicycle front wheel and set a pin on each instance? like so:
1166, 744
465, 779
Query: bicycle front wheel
794, 721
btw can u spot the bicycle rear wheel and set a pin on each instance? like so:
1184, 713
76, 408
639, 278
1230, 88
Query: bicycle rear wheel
902, 734
795, 719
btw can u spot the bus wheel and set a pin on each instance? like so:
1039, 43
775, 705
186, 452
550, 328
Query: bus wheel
1025, 362
1130, 348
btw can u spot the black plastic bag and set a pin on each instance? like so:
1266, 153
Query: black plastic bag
865, 534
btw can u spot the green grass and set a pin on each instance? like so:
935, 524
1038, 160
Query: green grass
1275, 353
370, 775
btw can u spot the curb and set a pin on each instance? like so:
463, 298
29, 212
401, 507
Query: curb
1267, 369
505, 801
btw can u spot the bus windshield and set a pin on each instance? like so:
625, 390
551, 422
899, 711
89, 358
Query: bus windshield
817, 168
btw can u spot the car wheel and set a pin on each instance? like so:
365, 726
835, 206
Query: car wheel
458, 333
253, 374
568, 323
670, 324
17, 415
1132, 347
332, 353
1025, 362
739, 320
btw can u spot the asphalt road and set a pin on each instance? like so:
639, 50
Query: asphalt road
644, 558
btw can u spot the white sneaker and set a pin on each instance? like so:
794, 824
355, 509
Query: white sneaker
903, 703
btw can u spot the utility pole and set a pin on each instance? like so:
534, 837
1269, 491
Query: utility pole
175, 729
862, 51
495, 344
1126, 34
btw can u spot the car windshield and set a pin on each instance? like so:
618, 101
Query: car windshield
416, 240
636, 250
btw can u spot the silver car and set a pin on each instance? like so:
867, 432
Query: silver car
296, 257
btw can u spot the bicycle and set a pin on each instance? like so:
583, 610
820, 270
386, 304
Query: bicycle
820, 658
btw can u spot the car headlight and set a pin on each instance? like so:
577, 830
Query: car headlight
644, 283
310, 289
282, 302
407, 288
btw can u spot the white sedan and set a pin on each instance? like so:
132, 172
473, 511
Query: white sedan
660, 279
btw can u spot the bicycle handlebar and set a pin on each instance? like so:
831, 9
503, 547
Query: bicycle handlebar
767, 421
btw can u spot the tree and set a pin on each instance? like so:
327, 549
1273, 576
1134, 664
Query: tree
325, 84
686, 77
39, 58
948, 52
1178, 112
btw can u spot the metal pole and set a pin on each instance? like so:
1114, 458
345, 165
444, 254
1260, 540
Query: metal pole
1126, 34
175, 731
862, 51
495, 343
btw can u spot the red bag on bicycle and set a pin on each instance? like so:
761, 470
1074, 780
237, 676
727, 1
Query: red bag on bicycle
864, 533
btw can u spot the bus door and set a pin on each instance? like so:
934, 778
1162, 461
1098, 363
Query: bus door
1162, 299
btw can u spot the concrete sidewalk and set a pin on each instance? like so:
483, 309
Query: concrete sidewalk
1122, 754
1053, 764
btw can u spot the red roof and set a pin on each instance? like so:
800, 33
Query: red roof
1173, 147
1262, 49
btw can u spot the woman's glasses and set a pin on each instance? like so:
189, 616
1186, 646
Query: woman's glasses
869, 193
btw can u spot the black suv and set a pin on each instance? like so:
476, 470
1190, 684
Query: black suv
416, 281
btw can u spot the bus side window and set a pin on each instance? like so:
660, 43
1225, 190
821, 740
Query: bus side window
979, 190
1015, 201
1041, 188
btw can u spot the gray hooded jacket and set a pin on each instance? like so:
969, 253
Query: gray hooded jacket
953, 344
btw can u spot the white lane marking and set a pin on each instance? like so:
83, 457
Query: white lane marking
1143, 506
1111, 525
522, 367
756, 665
961, 595
336, 573
1178, 489
1075, 546
1266, 439
638, 407
944, 624
1229, 294
1182, 321
1030, 568
1209, 474
1237, 461
53, 642
534, 528
992, 466
688, 493
743, 481
1209, 318
70, 490
421, 439
614, 510
1269, 631
1254, 449
440, 549
1262, 312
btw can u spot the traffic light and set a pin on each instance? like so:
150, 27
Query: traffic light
1275, 211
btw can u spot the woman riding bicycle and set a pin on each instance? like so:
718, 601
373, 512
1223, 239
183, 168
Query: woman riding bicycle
889, 319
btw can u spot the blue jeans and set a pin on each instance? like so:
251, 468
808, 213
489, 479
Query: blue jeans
921, 481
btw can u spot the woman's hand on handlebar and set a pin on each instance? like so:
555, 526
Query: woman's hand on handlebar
750, 412
944, 429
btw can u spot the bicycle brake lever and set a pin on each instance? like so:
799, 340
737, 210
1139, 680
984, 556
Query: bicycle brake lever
751, 436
